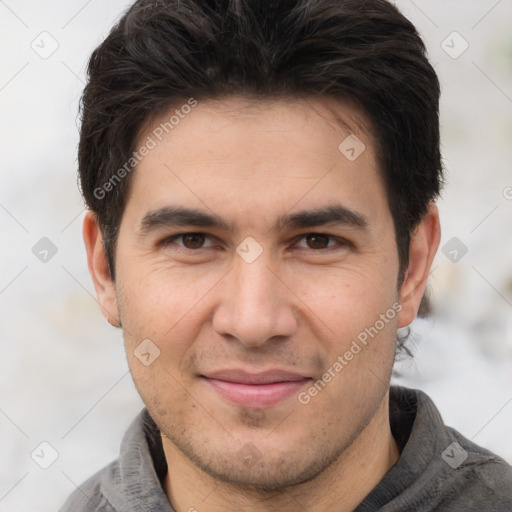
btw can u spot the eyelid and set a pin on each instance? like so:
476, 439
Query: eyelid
171, 239
341, 242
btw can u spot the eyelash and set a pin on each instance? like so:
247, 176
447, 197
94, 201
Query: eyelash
341, 241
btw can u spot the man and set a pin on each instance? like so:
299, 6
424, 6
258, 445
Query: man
261, 181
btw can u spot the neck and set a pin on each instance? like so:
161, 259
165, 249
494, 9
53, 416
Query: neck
341, 487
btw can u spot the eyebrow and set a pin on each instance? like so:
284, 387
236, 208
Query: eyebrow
169, 216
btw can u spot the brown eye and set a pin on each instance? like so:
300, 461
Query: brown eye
317, 241
187, 242
193, 240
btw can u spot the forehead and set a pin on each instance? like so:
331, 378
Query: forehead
243, 155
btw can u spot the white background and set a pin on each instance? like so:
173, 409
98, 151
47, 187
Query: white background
64, 377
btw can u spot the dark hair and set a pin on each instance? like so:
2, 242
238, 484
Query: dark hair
164, 53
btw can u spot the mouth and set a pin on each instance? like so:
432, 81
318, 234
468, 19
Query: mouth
255, 390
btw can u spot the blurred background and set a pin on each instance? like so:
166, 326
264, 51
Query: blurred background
66, 394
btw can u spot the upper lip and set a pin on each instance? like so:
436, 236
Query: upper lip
266, 377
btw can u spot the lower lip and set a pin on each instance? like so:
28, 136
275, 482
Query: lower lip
256, 395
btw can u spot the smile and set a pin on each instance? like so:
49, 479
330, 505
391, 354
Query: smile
255, 391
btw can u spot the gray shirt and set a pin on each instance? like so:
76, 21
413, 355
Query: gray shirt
438, 469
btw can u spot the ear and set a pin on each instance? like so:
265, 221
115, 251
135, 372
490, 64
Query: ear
423, 247
98, 268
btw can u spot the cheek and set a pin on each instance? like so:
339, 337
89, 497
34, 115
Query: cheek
162, 297
346, 300
162, 393
166, 307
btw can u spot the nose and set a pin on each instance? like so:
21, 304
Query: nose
256, 305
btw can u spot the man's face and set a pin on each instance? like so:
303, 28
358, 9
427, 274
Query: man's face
247, 319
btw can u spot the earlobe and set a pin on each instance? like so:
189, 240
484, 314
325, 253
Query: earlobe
423, 247
98, 268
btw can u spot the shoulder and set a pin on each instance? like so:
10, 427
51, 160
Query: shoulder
89, 496
440, 468
132, 481
482, 480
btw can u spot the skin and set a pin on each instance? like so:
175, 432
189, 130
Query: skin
296, 306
